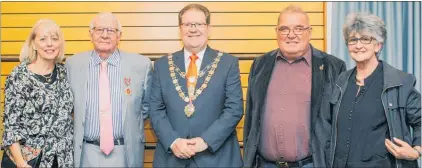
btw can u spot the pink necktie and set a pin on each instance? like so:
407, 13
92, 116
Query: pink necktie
106, 129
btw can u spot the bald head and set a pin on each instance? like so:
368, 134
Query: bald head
106, 18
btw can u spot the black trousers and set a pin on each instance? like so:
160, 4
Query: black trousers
35, 163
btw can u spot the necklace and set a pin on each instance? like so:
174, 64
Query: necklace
48, 77
190, 108
183, 74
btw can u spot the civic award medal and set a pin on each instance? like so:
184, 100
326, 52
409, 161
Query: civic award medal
192, 93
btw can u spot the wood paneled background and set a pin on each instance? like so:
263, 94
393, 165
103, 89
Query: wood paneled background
244, 29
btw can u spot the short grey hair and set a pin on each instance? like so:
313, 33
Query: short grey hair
292, 9
365, 23
103, 14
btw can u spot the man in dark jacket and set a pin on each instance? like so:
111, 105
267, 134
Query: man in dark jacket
284, 96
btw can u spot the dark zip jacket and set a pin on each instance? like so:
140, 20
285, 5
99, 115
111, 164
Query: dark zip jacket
402, 107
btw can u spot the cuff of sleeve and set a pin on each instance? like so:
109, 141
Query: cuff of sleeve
417, 142
169, 149
209, 145
11, 139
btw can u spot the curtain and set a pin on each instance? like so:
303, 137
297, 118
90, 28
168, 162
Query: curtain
402, 48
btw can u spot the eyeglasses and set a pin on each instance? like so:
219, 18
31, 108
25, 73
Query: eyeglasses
284, 30
100, 30
363, 40
196, 25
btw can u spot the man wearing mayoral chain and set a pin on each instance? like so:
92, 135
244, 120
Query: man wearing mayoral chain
196, 100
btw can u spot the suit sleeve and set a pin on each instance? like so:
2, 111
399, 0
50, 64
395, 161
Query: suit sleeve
248, 111
68, 70
413, 114
323, 126
158, 115
223, 127
145, 107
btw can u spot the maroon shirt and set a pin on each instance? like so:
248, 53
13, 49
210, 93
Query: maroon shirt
285, 131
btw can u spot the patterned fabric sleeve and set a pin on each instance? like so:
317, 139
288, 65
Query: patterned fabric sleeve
13, 109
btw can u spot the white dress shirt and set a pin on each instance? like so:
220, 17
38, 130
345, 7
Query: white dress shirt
198, 62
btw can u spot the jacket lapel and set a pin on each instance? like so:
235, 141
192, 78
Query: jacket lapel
179, 61
209, 56
124, 73
318, 78
264, 77
84, 69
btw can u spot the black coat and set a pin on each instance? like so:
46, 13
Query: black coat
402, 106
325, 69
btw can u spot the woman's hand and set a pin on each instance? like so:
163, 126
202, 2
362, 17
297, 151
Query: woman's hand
15, 149
22, 164
402, 150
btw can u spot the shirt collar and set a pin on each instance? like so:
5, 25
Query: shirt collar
200, 54
112, 60
307, 57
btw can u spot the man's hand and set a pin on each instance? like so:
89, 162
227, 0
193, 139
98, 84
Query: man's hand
402, 150
199, 144
181, 149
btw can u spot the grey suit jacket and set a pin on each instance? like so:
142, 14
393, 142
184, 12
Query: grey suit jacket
217, 112
135, 107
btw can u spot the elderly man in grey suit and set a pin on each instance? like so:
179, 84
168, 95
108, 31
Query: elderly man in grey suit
111, 89
196, 100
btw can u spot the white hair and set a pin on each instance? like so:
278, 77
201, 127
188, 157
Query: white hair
106, 14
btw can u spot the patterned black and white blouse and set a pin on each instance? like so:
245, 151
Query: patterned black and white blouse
39, 114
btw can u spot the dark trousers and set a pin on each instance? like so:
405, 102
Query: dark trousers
7, 163
260, 162
342, 163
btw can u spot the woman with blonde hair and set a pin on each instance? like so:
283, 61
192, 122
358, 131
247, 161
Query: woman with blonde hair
38, 103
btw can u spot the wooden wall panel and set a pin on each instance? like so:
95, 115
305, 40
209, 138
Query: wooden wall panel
160, 33
91, 7
244, 29
150, 19
163, 47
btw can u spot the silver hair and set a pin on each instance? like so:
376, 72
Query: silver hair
119, 26
365, 23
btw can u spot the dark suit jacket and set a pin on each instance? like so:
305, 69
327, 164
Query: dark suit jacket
217, 112
259, 78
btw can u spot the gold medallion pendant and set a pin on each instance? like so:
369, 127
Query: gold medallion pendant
189, 109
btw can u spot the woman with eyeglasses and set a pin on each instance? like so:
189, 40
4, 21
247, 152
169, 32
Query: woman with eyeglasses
373, 106
38, 126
